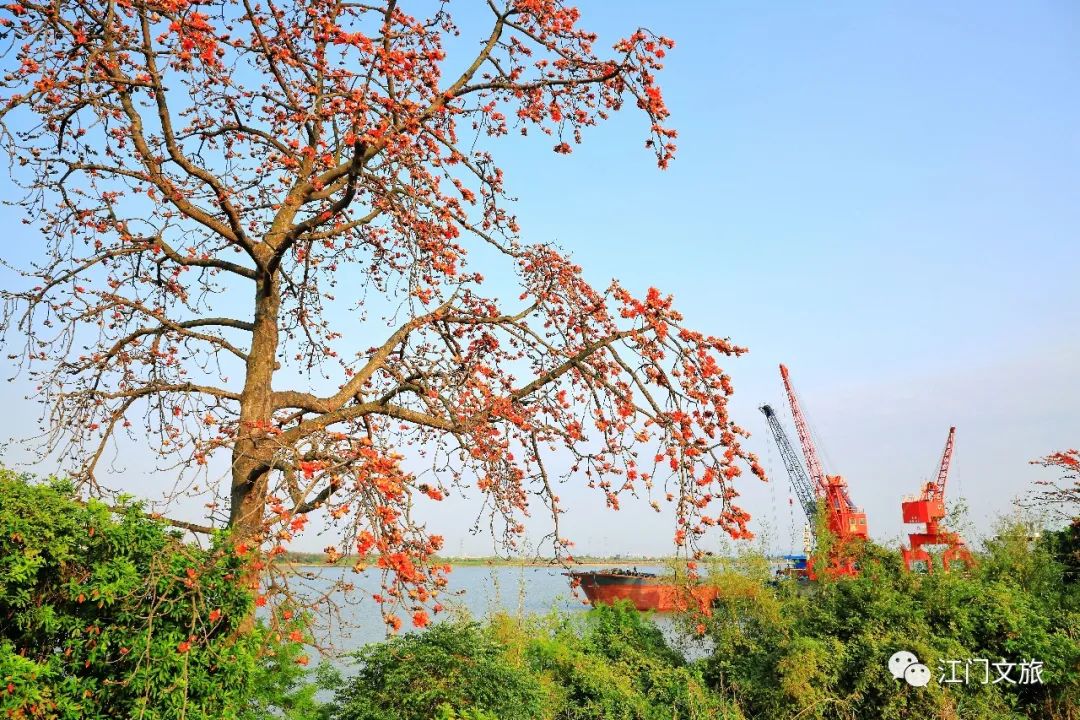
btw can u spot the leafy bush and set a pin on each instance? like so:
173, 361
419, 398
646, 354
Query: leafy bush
616, 664
107, 614
613, 664
821, 651
454, 668
817, 651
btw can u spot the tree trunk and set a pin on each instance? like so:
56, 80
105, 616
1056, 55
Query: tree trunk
252, 454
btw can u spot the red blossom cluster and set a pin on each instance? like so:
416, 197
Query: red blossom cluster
1068, 459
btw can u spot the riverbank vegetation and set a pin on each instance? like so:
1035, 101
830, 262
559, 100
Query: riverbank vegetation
106, 613
767, 651
821, 651
610, 663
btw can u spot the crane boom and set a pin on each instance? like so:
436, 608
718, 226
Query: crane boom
845, 522
928, 509
938, 491
813, 465
804, 489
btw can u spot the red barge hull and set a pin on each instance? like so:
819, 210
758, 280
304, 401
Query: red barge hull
643, 590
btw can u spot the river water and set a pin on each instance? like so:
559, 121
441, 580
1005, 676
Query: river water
475, 590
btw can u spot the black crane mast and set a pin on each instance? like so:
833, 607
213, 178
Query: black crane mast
804, 489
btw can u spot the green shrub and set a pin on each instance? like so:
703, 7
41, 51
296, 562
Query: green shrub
821, 651
612, 664
108, 614
616, 664
453, 668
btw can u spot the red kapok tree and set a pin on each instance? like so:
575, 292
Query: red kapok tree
215, 183
1062, 495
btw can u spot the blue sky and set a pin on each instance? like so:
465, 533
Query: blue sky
884, 196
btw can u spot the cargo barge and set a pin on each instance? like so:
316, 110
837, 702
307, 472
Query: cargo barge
646, 591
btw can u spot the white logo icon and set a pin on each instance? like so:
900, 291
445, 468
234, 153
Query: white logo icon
904, 664
917, 675
900, 661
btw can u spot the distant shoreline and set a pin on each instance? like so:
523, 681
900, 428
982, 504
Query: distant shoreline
305, 560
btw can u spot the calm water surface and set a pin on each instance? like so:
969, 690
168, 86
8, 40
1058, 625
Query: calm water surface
477, 590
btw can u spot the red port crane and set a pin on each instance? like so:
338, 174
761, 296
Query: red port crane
929, 509
845, 522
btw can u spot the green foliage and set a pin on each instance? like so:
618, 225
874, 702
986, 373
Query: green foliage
454, 667
616, 664
1064, 545
821, 650
107, 614
613, 664
780, 650
446, 712
279, 685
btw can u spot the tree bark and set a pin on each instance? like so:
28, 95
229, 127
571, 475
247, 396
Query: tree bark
252, 454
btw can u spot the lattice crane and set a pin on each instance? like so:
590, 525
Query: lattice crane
804, 488
929, 509
845, 522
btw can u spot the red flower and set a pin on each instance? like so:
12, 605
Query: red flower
183, 647
420, 619
364, 542
310, 467
215, 615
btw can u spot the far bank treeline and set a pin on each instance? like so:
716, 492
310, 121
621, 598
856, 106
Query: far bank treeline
107, 614
317, 559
